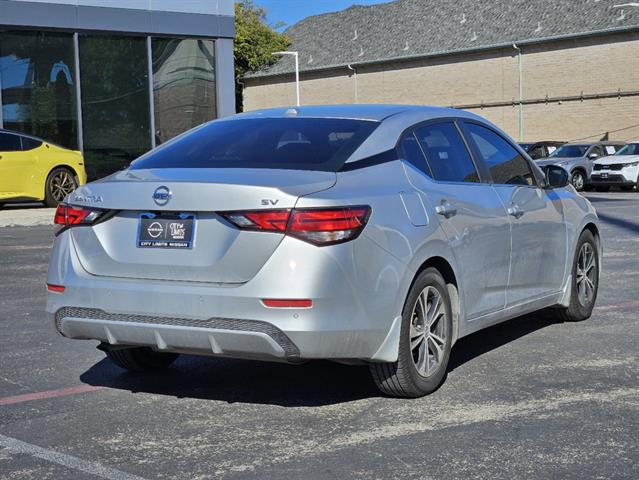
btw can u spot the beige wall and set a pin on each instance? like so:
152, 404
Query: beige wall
594, 65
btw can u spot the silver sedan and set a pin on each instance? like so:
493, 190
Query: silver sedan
367, 234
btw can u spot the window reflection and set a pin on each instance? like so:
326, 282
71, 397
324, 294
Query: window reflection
183, 85
115, 101
38, 85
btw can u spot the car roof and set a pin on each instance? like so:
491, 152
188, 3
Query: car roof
590, 144
3, 130
393, 119
374, 112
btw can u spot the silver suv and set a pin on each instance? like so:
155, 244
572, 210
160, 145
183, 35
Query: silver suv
577, 159
376, 234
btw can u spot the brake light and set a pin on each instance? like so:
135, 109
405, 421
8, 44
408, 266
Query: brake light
67, 215
269, 220
328, 226
319, 226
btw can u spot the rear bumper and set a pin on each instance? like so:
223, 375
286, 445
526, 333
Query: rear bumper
213, 336
355, 291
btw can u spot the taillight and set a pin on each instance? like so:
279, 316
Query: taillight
319, 226
67, 215
269, 220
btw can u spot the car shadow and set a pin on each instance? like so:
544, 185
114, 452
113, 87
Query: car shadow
316, 383
593, 199
632, 227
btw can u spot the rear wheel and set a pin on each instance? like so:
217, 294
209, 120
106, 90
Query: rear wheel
141, 359
425, 341
585, 280
603, 188
60, 183
578, 180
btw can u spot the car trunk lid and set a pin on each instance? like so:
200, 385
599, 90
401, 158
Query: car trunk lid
219, 252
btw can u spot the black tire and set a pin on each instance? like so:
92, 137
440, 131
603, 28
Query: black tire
141, 359
60, 182
402, 378
579, 310
603, 188
578, 180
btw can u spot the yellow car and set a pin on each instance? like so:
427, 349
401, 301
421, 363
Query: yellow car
33, 169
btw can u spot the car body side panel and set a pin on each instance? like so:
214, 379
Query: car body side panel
26, 172
479, 237
538, 242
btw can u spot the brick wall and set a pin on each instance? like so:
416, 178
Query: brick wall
588, 66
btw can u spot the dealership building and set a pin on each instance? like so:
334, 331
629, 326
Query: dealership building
541, 70
114, 78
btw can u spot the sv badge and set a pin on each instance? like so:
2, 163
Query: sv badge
266, 201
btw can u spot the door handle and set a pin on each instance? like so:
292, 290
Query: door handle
515, 211
446, 209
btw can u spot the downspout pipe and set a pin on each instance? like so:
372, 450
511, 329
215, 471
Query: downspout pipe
354, 70
521, 91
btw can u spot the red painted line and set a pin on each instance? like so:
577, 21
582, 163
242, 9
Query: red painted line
60, 392
619, 306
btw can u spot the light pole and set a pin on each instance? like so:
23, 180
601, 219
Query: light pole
297, 73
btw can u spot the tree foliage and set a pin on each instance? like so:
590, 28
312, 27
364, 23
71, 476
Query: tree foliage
255, 41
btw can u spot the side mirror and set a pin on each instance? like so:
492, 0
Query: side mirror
556, 177
593, 156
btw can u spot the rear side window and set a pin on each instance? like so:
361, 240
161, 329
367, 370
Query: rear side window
288, 143
30, 143
446, 153
506, 165
9, 143
412, 153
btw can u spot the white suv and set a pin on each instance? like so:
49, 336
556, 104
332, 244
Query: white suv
620, 169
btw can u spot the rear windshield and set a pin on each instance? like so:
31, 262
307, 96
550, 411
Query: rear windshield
287, 143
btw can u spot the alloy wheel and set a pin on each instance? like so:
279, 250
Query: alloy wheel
578, 180
586, 275
428, 331
62, 183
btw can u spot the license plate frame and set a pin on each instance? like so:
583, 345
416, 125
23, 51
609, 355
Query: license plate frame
166, 230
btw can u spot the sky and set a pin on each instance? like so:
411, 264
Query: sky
292, 11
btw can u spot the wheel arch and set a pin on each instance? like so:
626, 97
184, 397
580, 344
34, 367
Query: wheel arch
64, 166
446, 270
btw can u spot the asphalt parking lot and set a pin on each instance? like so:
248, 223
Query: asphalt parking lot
531, 398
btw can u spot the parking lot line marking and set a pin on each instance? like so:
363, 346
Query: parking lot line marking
60, 392
619, 306
93, 468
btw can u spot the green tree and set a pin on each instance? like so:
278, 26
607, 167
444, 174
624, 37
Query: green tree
255, 42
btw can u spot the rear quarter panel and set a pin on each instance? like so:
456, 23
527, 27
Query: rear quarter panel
400, 247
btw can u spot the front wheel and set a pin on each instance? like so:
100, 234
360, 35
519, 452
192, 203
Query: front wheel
578, 180
585, 280
59, 184
425, 341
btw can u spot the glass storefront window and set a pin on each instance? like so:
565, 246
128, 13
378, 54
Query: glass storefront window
115, 102
37, 75
183, 85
